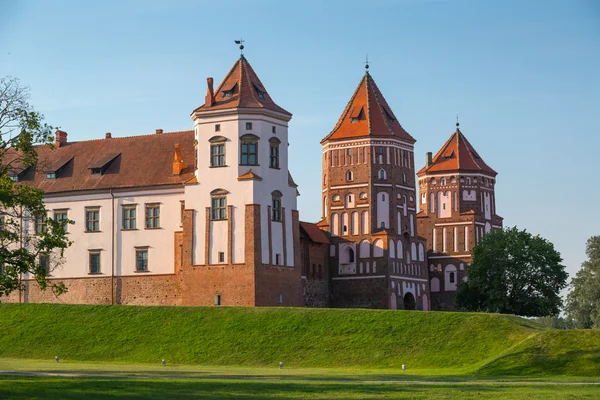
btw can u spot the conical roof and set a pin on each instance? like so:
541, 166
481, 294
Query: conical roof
241, 88
368, 114
457, 154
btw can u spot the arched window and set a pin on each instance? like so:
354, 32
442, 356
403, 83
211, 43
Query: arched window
335, 224
354, 224
403, 177
349, 200
450, 278
344, 224
363, 195
217, 151
364, 249
274, 152
443, 181
350, 255
249, 149
434, 285
381, 174
218, 210
349, 175
378, 248
276, 206
468, 181
392, 248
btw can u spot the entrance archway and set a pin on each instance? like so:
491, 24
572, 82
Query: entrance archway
409, 301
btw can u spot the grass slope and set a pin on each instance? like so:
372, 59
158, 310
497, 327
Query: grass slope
259, 336
572, 352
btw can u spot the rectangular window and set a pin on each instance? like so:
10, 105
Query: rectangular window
51, 175
217, 155
249, 154
217, 127
129, 217
276, 210
277, 257
248, 126
181, 212
40, 225
45, 263
280, 299
94, 262
274, 129
218, 300
152, 216
219, 208
141, 260
221, 257
274, 160
60, 215
92, 219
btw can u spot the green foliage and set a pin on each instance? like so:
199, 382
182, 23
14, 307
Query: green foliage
513, 272
300, 337
583, 301
556, 322
21, 129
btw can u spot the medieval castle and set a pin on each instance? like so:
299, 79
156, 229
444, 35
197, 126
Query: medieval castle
209, 216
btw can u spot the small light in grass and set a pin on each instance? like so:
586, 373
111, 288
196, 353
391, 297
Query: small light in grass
403, 367
164, 362
280, 364
56, 358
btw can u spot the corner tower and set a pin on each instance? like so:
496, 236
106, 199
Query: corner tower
245, 220
458, 207
369, 202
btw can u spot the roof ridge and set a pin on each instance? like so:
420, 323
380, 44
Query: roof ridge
128, 137
367, 76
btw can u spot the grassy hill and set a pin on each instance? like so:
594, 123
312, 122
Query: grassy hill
493, 344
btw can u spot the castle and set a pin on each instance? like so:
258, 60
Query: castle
209, 216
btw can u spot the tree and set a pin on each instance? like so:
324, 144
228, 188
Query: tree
583, 301
513, 272
22, 251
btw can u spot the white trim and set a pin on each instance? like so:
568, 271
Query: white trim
480, 223
411, 209
383, 184
65, 197
345, 278
406, 187
455, 172
350, 186
391, 142
408, 279
457, 256
337, 207
497, 226
362, 205
453, 223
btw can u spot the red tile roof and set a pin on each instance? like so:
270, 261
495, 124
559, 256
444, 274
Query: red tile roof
314, 233
457, 154
247, 91
145, 160
368, 114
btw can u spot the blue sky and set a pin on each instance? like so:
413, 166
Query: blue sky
524, 77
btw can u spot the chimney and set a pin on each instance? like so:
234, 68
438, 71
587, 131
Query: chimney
429, 159
108, 135
61, 138
159, 131
210, 93
178, 164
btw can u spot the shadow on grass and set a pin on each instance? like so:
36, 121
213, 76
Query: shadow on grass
18, 388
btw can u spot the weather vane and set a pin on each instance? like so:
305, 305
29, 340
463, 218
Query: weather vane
457, 121
367, 64
241, 43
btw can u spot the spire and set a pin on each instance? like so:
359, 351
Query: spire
241, 88
457, 154
368, 114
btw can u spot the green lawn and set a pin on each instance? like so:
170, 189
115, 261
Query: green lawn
17, 388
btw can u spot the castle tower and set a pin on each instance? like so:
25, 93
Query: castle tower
458, 207
369, 202
245, 220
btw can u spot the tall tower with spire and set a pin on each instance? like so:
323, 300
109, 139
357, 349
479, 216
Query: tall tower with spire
369, 207
457, 208
245, 220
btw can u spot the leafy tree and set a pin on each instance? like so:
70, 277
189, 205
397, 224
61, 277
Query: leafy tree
22, 251
556, 322
583, 301
513, 272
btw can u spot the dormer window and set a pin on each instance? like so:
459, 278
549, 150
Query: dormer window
14, 178
99, 166
388, 115
260, 92
228, 92
54, 170
356, 115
